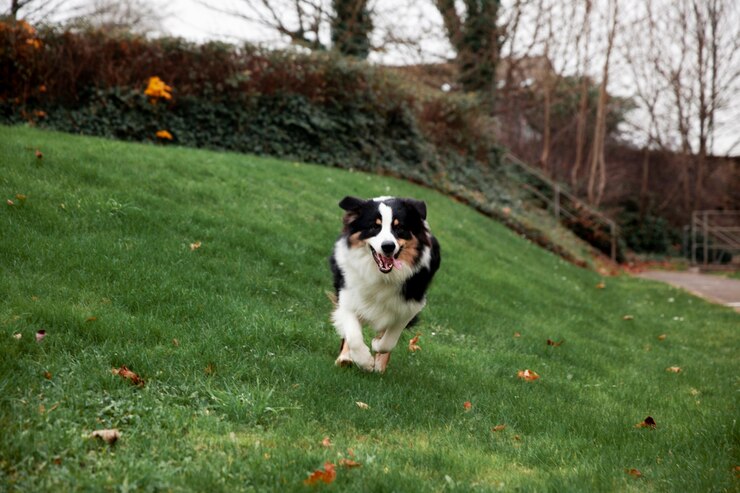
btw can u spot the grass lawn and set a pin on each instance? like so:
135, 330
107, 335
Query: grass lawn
234, 342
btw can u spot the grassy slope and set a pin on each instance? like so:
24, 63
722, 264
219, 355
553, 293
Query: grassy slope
249, 393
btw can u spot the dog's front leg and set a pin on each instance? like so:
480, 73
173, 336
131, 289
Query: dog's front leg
349, 327
383, 345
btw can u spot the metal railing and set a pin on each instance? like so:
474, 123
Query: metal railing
716, 233
564, 204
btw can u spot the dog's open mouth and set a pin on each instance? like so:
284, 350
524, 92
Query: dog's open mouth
386, 264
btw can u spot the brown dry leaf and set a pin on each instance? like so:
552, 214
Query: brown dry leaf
673, 369
210, 369
527, 375
349, 463
17, 335
628, 317
413, 347
601, 285
550, 342
124, 372
649, 422
517, 438
47, 375
327, 475
40, 335
39, 154
468, 405
362, 405
176, 342
498, 428
91, 319
326, 442
21, 197
10, 202
110, 436
195, 246
635, 473
662, 337
517, 334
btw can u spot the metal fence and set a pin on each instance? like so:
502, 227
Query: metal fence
715, 236
563, 204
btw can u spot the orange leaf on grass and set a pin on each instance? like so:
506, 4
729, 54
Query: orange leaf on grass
601, 285
413, 347
649, 422
327, 475
195, 246
349, 463
39, 154
362, 405
628, 317
552, 343
635, 473
662, 337
468, 405
498, 428
124, 372
527, 375
326, 442
673, 369
517, 334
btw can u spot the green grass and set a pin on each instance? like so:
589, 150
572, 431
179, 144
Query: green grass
243, 402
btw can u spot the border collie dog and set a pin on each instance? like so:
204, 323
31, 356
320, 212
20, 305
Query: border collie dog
382, 264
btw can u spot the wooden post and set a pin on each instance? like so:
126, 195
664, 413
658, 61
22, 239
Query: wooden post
705, 231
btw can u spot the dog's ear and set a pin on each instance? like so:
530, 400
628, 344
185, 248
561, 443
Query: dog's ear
351, 204
419, 206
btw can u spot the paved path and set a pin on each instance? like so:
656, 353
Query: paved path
716, 289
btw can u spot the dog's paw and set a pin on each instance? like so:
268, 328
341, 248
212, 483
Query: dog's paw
343, 360
363, 358
381, 361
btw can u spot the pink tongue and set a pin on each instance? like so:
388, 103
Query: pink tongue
397, 263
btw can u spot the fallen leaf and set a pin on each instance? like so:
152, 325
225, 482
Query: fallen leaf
737, 471
195, 246
10, 202
327, 475
413, 347
47, 375
467, 405
124, 372
601, 285
527, 375
517, 438
649, 422
21, 198
673, 369
40, 335
39, 154
110, 436
662, 337
498, 428
91, 319
517, 334
550, 342
362, 405
210, 369
348, 463
17, 335
635, 473
628, 317
176, 342
326, 442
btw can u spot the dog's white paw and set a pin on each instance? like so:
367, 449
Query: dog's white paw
363, 358
381, 362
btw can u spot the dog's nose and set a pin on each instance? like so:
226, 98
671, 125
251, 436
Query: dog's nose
388, 247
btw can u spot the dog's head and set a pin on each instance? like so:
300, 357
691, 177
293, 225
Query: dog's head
393, 230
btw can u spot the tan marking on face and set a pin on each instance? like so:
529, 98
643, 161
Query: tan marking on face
410, 251
379, 222
355, 241
395, 222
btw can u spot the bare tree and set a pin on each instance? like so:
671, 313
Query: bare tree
597, 170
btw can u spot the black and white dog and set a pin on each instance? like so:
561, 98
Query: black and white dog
382, 264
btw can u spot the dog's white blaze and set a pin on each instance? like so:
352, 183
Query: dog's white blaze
386, 233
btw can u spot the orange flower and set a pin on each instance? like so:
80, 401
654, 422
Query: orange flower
157, 89
164, 134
